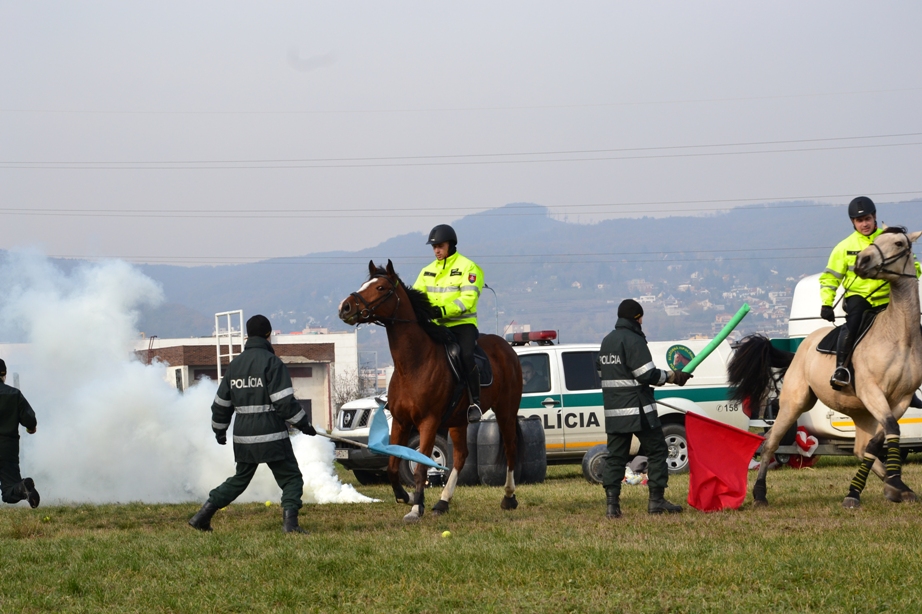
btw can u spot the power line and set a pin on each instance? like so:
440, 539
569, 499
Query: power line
406, 212
268, 166
477, 155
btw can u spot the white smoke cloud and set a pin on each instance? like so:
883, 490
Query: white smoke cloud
111, 429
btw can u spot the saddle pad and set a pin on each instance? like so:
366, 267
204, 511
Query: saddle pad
827, 344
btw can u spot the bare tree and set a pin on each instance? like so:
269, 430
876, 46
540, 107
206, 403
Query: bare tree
347, 386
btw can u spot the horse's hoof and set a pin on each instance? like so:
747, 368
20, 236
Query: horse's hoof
909, 496
440, 508
411, 518
851, 503
893, 493
509, 503
760, 503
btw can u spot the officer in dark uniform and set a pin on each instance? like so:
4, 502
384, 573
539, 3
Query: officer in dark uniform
258, 387
14, 411
628, 375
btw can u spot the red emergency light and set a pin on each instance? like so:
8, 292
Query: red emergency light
539, 337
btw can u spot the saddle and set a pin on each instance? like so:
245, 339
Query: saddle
453, 350
830, 342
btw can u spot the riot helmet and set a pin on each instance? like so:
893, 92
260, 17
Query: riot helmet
443, 233
860, 207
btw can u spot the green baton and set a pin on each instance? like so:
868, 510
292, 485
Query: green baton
726, 330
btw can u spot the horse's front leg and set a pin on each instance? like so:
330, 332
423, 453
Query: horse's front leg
459, 445
869, 456
878, 405
426, 443
400, 436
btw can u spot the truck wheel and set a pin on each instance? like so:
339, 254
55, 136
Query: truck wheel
366, 478
677, 443
593, 461
441, 453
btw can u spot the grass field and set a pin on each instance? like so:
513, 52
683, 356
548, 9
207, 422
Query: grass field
556, 553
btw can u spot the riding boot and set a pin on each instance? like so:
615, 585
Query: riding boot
842, 377
474, 413
915, 401
613, 504
290, 521
202, 518
659, 505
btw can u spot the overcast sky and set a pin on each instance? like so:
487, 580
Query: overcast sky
223, 131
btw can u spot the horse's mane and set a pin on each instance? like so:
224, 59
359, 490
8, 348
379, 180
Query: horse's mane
423, 309
895, 230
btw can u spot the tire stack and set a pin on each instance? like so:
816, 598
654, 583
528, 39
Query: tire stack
531, 456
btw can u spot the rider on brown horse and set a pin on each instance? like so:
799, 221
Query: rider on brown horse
453, 284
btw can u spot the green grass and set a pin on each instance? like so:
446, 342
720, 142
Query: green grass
556, 553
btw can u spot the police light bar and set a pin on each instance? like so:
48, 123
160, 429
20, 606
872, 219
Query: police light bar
541, 337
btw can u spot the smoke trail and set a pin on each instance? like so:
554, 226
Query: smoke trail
111, 429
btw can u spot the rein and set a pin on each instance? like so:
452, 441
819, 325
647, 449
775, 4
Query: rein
906, 253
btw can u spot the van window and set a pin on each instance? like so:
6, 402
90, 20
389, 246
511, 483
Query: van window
535, 373
579, 371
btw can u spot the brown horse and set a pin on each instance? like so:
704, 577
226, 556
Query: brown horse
422, 386
887, 366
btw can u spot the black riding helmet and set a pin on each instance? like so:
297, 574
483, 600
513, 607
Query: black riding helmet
861, 206
441, 234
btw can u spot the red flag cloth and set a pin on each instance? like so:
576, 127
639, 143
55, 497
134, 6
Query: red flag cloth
718, 463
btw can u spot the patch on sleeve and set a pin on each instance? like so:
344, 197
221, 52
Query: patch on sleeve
472, 277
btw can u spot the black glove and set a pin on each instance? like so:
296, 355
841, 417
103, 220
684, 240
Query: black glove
827, 313
307, 428
221, 436
680, 377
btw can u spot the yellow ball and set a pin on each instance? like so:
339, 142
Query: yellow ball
446, 533
268, 503
46, 519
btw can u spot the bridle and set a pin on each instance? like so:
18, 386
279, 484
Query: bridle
884, 262
369, 313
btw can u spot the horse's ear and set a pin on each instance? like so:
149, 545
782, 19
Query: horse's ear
371, 267
390, 268
914, 235
883, 226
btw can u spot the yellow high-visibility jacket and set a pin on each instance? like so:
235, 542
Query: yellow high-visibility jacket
453, 285
840, 270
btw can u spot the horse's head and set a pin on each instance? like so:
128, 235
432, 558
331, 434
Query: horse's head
376, 300
889, 256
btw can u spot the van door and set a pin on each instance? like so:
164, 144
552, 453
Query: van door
583, 415
541, 394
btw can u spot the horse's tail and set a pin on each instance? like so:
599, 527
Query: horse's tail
749, 371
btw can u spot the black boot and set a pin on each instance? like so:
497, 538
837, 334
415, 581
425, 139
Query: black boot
659, 505
613, 501
290, 522
26, 489
202, 518
915, 401
474, 413
842, 377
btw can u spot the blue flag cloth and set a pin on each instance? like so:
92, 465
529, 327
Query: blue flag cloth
379, 436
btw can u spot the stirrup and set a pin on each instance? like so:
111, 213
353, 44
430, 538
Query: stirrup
474, 414
841, 378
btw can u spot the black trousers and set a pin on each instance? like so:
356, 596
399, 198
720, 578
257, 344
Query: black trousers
855, 306
466, 334
10, 478
287, 475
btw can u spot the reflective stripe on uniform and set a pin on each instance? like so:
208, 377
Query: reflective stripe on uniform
219, 401
297, 417
463, 316
281, 394
835, 274
254, 409
248, 439
643, 369
218, 426
470, 289
619, 383
629, 411
436, 289
460, 305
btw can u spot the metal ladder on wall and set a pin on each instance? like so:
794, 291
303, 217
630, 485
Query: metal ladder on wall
228, 336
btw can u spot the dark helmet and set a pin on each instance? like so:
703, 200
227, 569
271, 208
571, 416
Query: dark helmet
441, 234
861, 206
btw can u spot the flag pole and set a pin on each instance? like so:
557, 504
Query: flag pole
710, 347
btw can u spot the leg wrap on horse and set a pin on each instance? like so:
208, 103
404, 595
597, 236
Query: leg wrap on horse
894, 460
861, 478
